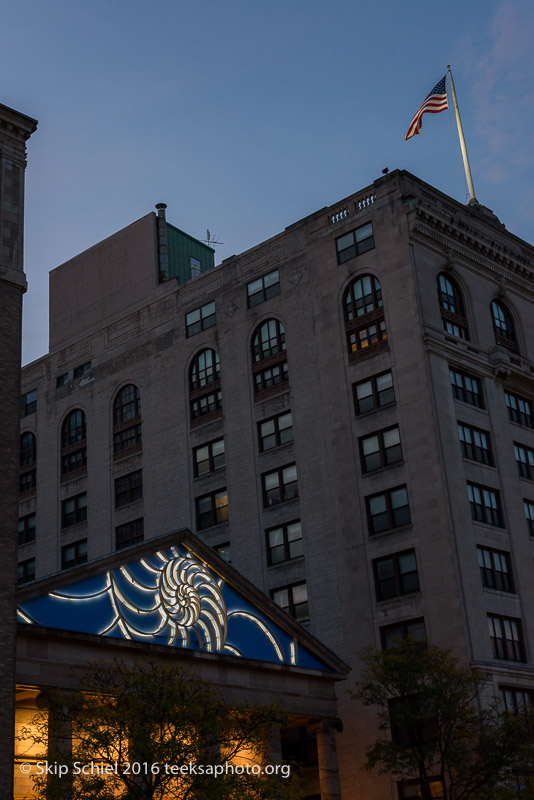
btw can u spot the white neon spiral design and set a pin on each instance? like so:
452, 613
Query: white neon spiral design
189, 597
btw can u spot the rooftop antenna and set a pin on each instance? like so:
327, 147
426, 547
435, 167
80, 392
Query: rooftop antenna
209, 241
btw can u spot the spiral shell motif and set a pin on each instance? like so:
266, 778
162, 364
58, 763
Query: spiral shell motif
190, 597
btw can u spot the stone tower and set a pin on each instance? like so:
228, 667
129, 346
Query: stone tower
15, 130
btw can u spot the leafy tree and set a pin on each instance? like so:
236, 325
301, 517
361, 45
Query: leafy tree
441, 729
167, 720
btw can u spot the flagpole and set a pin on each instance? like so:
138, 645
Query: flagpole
472, 199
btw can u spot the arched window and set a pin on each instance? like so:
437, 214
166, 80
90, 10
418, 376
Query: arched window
503, 325
205, 399
73, 445
28, 449
126, 420
452, 307
28, 456
364, 317
269, 359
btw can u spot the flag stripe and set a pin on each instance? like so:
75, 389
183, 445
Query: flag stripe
433, 103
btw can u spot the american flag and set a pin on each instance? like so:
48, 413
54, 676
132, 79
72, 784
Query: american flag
434, 102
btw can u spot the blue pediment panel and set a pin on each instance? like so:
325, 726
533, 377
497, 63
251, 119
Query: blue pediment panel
172, 598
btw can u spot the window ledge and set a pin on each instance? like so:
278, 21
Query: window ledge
76, 527
408, 526
126, 452
276, 448
470, 405
372, 350
401, 598
133, 504
205, 475
203, 420
281, 503
289, 562
73, 475
488, 526
500, 592
383, 469
480, 463
271, 391
211, 528
375, 410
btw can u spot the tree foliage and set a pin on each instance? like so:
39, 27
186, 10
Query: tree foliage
441, 726
169, 721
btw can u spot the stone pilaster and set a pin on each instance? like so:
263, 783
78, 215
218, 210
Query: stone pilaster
327, 756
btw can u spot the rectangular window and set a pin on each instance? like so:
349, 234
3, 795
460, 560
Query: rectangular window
61, 380
82, 370
375, 392
519, 409
207, 404
74, 461
506, 638
74, 510
485, 505
275, 431
355, 243
380, 449
263, 288
27, 529
466, 388
129, 488
28, 403
129, 533
528, 505
285, 542
475, 444
208, 457
495, 569
270, 376
212, 509
127, 438
396, 575
293, 599
525, 461
410, 628
28, 481
516, 700
388, 510
74, 554
200, 319
279, 485
26, 571
224, 550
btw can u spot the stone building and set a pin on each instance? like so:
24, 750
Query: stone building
15, 130
343, 411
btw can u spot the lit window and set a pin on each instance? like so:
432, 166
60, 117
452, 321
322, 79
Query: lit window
130, 533
355, 243
452, 307
129, 488
275, 431
495, 569
279, 485
285, 542
28, 403
26, 571
212, 509
409, 629
74, 510
263, 288
485, 504
375, 392
475, 444
293, 599
503, 326
208, 457
524, 457
380, 449
364, 316
506, 638
519, 409
27, 529
396, 575
466, 388
200, 319
388, 510
74, 554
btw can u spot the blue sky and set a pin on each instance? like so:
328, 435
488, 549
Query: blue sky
244, 116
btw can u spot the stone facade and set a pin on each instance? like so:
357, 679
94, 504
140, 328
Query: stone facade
15, 130
113, 324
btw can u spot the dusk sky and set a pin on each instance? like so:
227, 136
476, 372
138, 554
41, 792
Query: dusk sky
244, 116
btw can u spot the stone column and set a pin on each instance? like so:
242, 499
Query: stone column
15, 129
60, 706
327, 756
